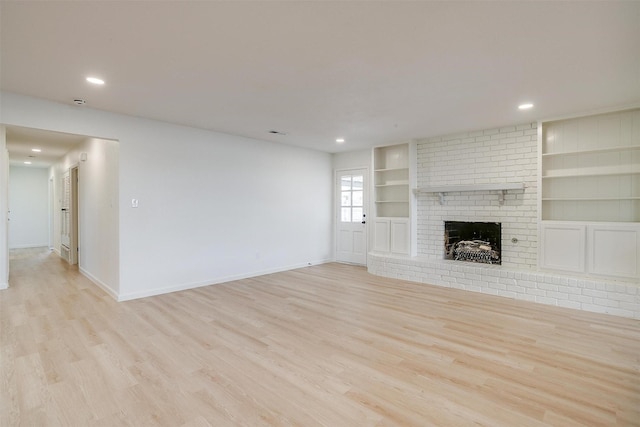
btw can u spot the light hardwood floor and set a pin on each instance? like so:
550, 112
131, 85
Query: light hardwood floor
326, 345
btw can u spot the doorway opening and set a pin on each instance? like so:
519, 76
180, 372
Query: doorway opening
82, 176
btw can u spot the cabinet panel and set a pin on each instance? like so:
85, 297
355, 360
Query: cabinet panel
399, 238
614, 250
381, 235
563, 247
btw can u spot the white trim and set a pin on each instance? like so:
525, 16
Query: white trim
193, 285
4, 286
30, 245
539, 194
99, 283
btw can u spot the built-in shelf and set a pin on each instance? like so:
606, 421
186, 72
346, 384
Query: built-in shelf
443, 189
586, 175
593, 151
390, 169
583, 199
590, 168
394, 184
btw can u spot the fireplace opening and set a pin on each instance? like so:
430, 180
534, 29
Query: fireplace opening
473, 241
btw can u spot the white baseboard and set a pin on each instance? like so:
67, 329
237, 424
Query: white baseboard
216, 281
4, 286
99, 283
30, 245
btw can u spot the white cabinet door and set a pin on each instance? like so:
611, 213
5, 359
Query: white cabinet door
381, 233
399, 236
392, 235
563, 246
599, 249
614, 250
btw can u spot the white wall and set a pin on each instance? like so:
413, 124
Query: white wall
352, 159
97, 211
4, 201
213, 207
29, 205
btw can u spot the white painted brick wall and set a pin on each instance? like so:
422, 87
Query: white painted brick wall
491, 156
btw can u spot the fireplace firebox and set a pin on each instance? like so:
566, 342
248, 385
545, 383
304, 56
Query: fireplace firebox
473, 241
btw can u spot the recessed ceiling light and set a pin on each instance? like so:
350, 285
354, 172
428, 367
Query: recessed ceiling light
525, 106
95, 80
27, 163
36, 150
340, 140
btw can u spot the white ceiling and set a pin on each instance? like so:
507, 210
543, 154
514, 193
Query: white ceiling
371, 72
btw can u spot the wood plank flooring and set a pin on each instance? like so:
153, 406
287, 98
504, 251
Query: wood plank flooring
326, 345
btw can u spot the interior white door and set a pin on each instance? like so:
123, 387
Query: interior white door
351, 230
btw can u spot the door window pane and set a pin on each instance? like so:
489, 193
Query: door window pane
345, 182
357, 198
357, 215
358, 181
346, 215
346, 198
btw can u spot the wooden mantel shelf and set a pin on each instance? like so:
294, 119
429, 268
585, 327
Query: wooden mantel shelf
443, 189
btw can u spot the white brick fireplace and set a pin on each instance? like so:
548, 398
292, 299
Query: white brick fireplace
474, 160
483, 157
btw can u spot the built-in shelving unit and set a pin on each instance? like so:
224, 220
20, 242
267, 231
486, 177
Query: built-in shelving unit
590, 195
590, 168
391, 181
392, 185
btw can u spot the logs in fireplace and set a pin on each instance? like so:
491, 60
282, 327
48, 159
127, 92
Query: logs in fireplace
473, 241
